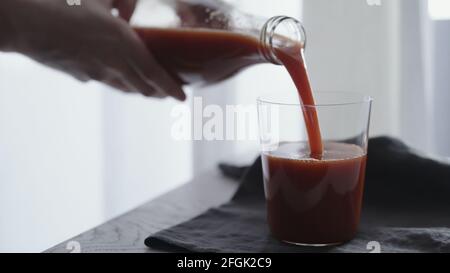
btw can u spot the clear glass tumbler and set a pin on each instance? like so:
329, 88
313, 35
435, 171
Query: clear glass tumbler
314, 201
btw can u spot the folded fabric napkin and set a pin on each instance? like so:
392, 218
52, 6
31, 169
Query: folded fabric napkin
406, 209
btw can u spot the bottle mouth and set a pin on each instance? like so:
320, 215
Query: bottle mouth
281, 32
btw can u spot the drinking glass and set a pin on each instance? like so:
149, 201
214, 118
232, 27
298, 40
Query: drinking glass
314, 201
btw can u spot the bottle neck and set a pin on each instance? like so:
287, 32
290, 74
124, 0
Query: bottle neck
280, 32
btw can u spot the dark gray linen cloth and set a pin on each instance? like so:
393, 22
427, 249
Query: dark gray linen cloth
406, 209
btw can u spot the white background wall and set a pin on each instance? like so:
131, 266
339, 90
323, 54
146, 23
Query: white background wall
441, 86
141, 159
73, 155
352, 47
51, 183
397, 53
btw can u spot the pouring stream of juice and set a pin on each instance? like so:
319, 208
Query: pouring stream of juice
193, 55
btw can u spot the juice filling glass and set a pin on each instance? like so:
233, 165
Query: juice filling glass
314, 201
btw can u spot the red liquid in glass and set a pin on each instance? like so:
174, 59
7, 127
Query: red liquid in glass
313, 201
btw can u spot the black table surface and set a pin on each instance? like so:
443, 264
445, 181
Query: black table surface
127, 232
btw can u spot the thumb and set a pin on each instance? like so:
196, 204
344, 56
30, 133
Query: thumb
125, 8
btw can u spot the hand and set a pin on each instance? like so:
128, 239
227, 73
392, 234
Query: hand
88, 42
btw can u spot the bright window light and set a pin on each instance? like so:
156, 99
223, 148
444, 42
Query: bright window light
439, 9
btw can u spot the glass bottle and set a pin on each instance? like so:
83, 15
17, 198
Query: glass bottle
206, 41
